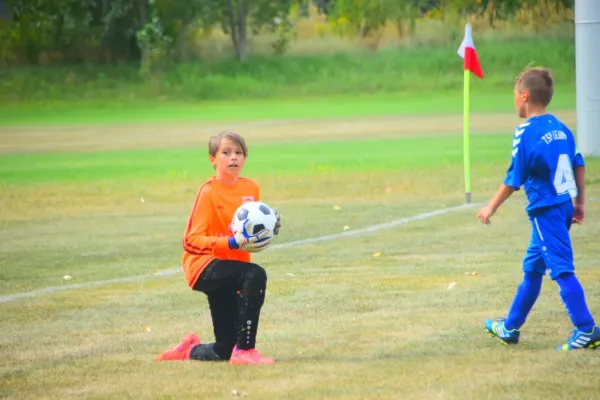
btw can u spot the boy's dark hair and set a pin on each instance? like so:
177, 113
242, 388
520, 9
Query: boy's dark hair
539, 83
215, 141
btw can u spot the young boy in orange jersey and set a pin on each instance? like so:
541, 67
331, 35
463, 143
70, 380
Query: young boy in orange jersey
217, 263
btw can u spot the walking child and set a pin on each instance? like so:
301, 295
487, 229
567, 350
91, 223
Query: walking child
545, 161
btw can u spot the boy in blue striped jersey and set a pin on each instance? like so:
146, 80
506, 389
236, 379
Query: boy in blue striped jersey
545, 161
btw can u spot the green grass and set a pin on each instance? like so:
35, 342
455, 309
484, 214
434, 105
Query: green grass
369, 316
417, 103
287, 159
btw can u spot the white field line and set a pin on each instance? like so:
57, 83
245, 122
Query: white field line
370, 229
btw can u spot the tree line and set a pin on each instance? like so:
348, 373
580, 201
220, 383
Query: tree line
113, 31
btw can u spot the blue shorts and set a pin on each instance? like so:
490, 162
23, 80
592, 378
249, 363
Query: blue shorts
550, 247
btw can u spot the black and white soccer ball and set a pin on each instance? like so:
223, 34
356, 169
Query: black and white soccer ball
259, 216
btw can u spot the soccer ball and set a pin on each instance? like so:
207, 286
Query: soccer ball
259, 215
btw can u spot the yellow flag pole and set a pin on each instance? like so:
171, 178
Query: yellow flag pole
466, 143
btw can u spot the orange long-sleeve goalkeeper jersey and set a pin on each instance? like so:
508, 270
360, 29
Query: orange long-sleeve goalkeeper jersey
207, 234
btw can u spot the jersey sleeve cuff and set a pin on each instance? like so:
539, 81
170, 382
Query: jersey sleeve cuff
512, 184
232, 244
579, 161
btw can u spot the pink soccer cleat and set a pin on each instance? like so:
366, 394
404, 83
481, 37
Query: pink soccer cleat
248, 357
182, 350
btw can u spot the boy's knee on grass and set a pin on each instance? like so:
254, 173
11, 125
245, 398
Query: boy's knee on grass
212, 352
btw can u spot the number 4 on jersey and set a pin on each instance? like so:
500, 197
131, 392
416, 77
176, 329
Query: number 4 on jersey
564, 180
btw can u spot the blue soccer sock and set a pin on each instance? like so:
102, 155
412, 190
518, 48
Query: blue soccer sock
526, 296
572, 295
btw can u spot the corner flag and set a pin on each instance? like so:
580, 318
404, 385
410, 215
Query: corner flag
467, 52
470, 65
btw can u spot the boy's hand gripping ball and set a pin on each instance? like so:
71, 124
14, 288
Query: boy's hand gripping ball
253, 226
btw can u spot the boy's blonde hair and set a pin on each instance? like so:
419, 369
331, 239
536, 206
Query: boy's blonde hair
539, 83
215, 141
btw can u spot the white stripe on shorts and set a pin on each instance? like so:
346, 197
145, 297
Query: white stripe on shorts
537, 226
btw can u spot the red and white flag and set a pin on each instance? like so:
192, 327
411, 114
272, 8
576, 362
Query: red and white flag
467, 52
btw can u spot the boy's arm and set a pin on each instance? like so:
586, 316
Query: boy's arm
500, 197
195, 240
580, 182
579, 213
503, 193
515, 178
579, 172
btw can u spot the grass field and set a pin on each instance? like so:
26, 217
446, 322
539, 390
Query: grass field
365, 316
483, 100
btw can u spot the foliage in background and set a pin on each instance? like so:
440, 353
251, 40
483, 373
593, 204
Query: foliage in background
154, 44
107, 31
414, 69
66, 31
191, 49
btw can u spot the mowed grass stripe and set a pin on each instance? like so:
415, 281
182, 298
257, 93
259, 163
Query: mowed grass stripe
375, 104
297, 158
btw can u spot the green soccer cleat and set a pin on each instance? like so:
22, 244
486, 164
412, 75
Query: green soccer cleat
582, 340
497, 329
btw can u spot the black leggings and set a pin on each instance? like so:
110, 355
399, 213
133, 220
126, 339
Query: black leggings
236, 293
